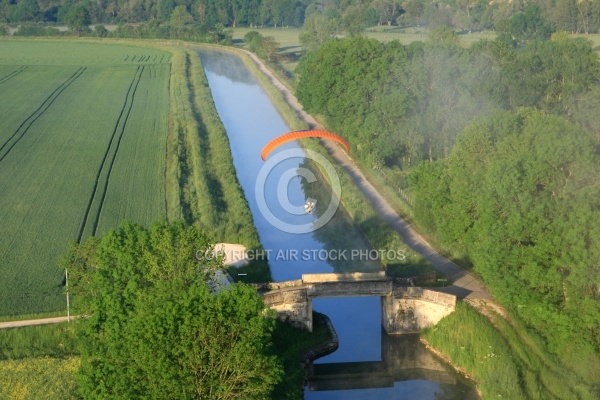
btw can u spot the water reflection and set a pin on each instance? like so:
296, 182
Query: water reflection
406, 365
228, 66
251, 121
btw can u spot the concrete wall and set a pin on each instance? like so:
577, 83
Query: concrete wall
350, 289
292, 305
410, 309
355, 276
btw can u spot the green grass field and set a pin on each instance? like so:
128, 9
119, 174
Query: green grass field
38, 378
82, 147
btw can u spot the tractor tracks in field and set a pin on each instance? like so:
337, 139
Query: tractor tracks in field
101, 181
13, 74
22, 129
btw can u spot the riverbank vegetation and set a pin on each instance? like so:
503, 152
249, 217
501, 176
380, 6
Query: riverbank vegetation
496, 145
291, 344
158, 329
509, 361
204, 188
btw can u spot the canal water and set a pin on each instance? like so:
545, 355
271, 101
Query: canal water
368, 363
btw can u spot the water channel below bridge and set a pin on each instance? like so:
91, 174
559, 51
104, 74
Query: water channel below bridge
366, 364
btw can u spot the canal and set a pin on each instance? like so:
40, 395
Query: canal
368, 363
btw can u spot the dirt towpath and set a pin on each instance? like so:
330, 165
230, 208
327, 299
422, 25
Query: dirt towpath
465, 285
30, 322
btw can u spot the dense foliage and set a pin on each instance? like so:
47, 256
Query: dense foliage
501, 145
398, 105
351, 15
519, 197
154, 328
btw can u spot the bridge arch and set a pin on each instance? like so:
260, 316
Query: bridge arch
405, 309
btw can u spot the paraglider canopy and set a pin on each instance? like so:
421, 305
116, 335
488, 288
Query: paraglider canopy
290, 136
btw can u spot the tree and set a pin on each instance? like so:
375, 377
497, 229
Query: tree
100, 31
78, 19
387, 11
529, 25
414, 12
354, 20
269, 48
165, 8
253, 39
519, 196
180, 18
317, 29
154, 328
26, 10
565, 15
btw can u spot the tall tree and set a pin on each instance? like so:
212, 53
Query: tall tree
529, 25
519, 197
154, 329
78, 19
317, 29
566, 15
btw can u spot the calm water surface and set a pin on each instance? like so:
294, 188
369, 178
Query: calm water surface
368, 363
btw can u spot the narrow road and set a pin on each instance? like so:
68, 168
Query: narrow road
30, 322
465, 285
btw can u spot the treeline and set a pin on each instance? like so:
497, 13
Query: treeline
351, 15
499, 144
399, 105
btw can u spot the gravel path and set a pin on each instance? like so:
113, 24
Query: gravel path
29, 322
465, 285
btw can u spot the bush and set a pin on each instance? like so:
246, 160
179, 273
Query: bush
100, 31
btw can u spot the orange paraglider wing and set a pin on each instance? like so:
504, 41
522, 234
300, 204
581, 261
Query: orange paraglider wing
290, 136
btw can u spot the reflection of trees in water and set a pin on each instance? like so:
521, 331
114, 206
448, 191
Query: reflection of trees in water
227, 65
404, 358
339, 233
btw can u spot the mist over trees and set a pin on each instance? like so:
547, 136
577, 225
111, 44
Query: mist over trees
499, 147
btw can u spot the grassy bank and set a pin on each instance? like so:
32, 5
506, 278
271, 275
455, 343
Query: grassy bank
291, 344
53, 340
204, 189
507, 360
38, 362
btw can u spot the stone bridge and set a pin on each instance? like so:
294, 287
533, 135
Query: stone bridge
405, 309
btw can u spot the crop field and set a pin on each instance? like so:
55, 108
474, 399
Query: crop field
82, 147
38, 378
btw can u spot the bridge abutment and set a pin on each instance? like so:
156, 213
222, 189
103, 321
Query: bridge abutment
292, 306
410, 309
